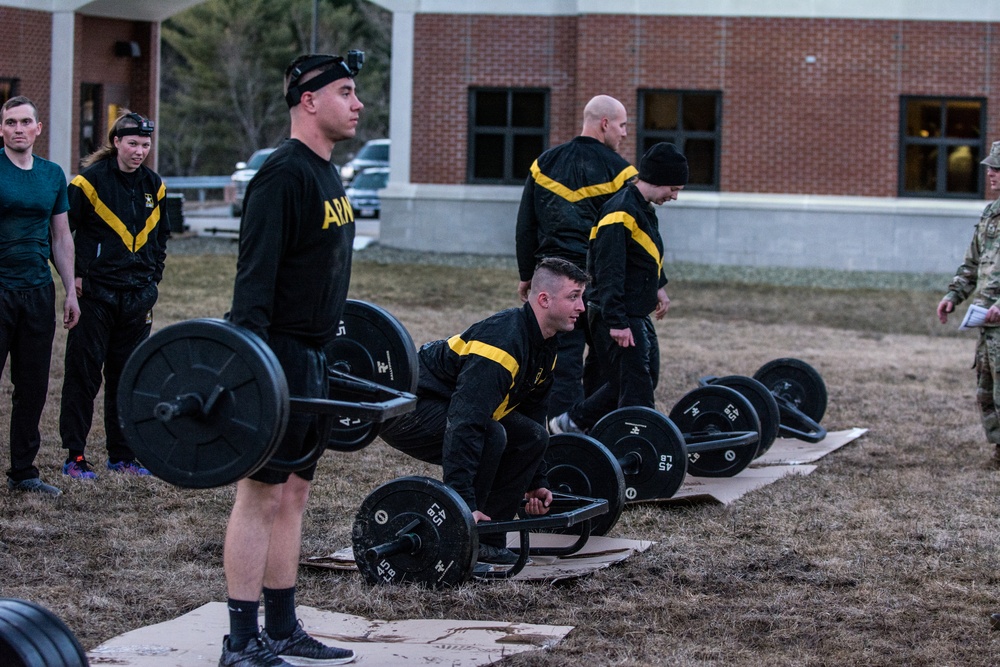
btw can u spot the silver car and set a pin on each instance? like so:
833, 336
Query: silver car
374, 153
244, 172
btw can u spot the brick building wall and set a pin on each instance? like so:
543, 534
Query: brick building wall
25, 45
456, 52
25, 54
127, 82
828, 127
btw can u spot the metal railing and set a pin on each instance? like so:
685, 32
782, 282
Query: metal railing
202, 184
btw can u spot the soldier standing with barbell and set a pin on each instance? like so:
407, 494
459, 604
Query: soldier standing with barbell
292, 275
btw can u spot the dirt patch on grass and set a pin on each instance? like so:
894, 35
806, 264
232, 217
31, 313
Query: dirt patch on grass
886, 555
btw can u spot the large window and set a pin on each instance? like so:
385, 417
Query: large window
690, 119
941, 144
508, 129
8, 88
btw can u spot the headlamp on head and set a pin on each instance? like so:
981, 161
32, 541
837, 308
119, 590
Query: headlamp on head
341, 69
143, 128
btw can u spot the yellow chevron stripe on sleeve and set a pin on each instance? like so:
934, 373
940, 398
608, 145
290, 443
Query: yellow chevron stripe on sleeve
639, 236
585, 192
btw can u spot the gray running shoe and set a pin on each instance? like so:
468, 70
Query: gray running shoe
34, 485
301, 649
254, 654
489, 553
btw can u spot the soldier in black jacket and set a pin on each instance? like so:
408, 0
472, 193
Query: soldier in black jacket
118, 215
482, 399
626, 261
560, 204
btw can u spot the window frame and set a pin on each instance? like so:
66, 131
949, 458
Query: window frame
14, 84
941, 142
508, 132
680, 136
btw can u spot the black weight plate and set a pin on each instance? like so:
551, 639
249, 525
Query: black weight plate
447, 531
797, 382
763, 403
718, 411
246, 423
372, 345
32, 635
580, 465
650, 449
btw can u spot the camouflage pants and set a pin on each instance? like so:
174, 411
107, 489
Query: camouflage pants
988, 382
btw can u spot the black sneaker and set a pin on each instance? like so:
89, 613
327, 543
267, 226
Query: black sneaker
301, 649
254, 654
995, 621
496, 555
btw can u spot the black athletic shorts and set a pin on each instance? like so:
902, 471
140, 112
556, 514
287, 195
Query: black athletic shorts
306, 372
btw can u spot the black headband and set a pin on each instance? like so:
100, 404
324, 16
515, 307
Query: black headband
143, 128
342, 69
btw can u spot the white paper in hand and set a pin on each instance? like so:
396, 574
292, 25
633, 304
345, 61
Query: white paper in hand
975, 316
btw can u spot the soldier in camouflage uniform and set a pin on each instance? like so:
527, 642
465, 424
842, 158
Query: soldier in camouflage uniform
979, 277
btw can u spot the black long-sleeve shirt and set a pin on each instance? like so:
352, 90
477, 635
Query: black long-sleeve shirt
496, 366
626, 258
562, 198
296, 241
120, 224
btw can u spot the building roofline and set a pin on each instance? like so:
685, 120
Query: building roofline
898, 10
133, 10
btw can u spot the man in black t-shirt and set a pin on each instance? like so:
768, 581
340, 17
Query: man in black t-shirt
292, 274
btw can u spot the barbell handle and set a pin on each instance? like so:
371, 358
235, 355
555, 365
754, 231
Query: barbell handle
811, 430
406, 542
709, 441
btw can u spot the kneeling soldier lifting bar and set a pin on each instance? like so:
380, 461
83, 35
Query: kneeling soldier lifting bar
481, 403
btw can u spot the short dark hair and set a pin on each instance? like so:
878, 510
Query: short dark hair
19, 101
563, 267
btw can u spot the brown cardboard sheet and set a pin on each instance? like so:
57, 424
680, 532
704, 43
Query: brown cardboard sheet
789, 451
196, 639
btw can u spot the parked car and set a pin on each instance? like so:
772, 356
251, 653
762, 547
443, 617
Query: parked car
244, 172
374, 153
363, 192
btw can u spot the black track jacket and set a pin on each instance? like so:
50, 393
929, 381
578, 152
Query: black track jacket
626, 258
562, 199
120, 225
495, 367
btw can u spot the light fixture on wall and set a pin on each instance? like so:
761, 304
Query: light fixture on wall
124, 49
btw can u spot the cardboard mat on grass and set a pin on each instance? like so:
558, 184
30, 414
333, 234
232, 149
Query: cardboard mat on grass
597, 554
196, 639
785, 457
791, 452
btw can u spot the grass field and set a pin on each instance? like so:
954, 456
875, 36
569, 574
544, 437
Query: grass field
886, 555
